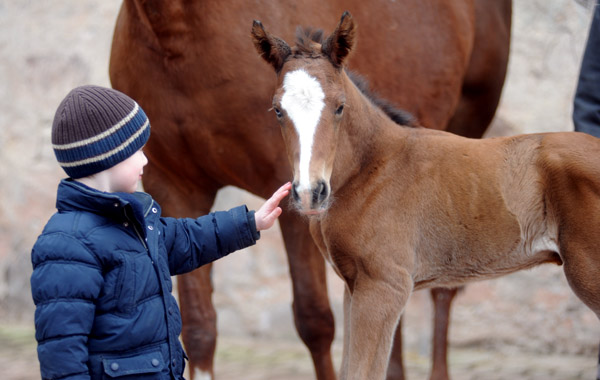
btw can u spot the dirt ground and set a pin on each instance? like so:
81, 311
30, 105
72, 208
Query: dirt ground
254, 359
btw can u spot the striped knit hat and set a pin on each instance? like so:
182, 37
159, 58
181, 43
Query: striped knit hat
95, 128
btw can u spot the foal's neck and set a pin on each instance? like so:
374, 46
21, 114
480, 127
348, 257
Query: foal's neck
365, 136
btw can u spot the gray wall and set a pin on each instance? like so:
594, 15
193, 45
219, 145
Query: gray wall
46, 48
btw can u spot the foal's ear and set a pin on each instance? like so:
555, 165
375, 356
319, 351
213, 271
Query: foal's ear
339, 44
273, 50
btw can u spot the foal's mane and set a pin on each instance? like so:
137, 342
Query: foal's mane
308, 44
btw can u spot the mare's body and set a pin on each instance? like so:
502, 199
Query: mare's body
190, 65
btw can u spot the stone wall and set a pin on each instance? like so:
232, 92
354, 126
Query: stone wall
47, 48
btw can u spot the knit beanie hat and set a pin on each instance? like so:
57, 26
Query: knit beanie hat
95, 128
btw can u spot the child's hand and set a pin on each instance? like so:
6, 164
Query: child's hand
269, 212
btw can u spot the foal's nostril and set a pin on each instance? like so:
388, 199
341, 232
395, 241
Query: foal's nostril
295, 194
320, 193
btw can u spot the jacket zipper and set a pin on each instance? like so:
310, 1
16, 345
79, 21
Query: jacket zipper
133, 224
140, 237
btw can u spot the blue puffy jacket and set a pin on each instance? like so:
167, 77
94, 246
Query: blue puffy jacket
101, 282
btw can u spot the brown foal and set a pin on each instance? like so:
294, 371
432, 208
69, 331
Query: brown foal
395, 209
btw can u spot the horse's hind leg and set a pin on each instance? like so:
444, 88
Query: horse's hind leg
582, 269
312, 313
442, 300
580, 251
583, 274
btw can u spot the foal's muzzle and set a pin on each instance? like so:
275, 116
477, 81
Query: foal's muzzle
313, 200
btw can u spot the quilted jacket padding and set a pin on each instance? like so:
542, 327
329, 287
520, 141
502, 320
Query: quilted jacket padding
102, 282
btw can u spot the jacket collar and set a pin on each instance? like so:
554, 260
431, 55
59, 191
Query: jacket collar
75, 196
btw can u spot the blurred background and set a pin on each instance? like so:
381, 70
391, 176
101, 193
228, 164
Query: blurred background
528, 323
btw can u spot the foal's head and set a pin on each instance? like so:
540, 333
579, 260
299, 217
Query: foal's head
309, 105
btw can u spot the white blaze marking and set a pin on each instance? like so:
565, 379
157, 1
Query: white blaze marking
303, 101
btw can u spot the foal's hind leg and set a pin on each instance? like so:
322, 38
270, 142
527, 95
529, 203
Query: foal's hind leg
442, 300
582, 270
580, 240
581, 256
583, 274
575, 202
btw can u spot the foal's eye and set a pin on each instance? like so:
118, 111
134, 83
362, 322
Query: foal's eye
277, 112
339, 110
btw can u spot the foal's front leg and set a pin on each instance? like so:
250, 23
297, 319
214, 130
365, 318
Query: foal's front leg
346, 341
376, 303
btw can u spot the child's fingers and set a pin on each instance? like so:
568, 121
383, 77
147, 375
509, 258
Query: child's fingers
274, 215
285, 187
267, 221
281, 193
270, 210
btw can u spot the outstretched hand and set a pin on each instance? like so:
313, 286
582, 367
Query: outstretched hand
268, 213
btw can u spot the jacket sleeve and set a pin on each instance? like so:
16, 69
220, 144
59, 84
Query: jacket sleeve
586, 105
191, 243
66, 280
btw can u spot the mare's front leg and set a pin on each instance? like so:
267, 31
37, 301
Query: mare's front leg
183, 198
312, 313
378, 296
199, 318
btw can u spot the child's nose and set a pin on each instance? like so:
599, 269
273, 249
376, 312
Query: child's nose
145, 159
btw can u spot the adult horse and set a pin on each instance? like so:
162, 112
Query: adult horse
396, 209
442, 61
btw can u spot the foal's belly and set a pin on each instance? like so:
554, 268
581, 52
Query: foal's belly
468, 265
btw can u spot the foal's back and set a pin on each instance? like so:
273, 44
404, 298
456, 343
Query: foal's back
475, 209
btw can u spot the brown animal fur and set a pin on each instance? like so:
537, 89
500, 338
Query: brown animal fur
192, 69
415, 208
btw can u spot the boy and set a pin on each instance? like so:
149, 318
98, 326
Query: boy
102, 266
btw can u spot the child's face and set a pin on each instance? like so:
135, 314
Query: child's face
124, 176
